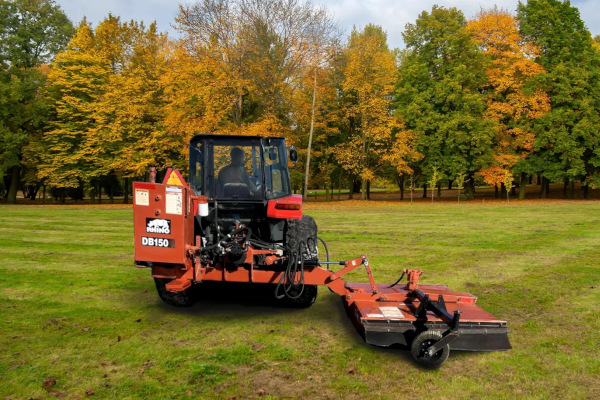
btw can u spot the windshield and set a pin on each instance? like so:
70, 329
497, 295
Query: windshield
239, 168
238, 171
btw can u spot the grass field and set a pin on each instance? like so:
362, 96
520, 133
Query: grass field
73, 308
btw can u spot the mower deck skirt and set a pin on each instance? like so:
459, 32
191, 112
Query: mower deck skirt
390, 319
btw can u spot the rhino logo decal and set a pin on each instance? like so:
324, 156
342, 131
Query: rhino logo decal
157, 225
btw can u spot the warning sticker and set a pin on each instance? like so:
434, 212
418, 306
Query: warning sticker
142, 197
174, 179
173, 203
391, 312
173, 189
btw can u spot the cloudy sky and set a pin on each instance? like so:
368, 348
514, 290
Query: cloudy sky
392, 15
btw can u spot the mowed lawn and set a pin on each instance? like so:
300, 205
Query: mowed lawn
73, 308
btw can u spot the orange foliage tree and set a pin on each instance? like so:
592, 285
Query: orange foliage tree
514, 99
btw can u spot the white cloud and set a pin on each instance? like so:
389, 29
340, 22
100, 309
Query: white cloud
392, 15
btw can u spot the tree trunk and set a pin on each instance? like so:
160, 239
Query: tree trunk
496, 191
44, 195
530, 180
364, 190
539, 179
15, 176
439, 192
99, 193
572, 191
63, 193
544, 190
470, 187
354, 188
126, 191
111, 192
424, 190
400, 182
586, 191
565, 186
522, 186
339, 185
450, 182
310, 136
503, 189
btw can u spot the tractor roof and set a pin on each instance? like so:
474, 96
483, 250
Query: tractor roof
232, 137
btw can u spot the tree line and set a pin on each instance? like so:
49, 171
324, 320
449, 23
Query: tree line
493, 99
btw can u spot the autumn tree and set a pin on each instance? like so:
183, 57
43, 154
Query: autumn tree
566, 145
438, 95
369, 73
130, 129
514, 97
260, 49
317, 114
31, 33
76, 82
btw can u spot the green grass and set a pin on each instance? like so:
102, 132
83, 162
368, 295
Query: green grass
73, 307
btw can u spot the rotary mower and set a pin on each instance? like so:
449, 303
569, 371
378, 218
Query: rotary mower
236, 220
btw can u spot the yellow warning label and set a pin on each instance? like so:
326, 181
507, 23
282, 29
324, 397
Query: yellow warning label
174, 179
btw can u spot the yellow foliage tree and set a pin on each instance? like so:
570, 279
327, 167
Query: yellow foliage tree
130, 114
76, 82
369, 77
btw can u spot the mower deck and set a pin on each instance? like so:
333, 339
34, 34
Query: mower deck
389, 317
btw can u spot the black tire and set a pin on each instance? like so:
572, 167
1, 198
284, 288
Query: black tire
302, 231
422, 342
186, 298
305, 300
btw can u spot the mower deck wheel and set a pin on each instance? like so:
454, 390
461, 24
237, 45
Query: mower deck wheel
181, 299
422, 342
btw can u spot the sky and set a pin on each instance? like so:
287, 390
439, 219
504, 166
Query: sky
392, 15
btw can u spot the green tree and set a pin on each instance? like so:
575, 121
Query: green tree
438, 95
567, 138
31, 33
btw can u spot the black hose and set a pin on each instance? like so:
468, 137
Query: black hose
397, 282
326, 250
288, 278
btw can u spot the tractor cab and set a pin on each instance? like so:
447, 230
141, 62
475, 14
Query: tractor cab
240, 168
246, 180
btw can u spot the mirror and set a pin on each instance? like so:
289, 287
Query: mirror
293, 154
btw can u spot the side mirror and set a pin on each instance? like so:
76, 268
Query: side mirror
293, 154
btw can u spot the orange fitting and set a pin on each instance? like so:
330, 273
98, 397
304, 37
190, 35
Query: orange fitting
413, 278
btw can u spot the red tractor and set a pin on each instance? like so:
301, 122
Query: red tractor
236, 220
